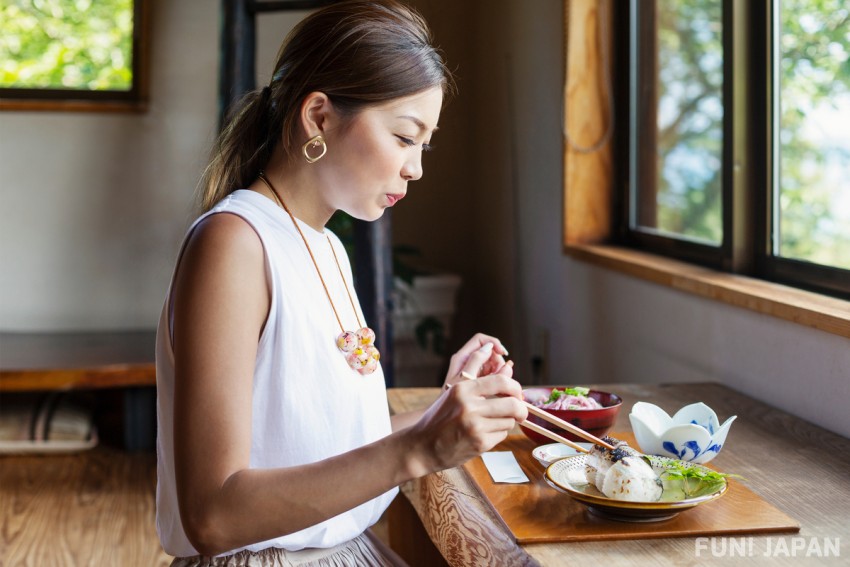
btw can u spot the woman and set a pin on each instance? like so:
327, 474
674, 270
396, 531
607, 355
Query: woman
275, 441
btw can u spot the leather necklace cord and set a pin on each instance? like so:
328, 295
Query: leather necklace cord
357, 347
280, 202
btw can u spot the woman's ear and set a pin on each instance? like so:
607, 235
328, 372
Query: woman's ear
317, 114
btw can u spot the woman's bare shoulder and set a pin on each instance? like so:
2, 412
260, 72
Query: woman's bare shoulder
223, 255
225, 230
224, 238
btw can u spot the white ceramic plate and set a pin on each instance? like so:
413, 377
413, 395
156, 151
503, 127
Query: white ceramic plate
567, 475
548, 454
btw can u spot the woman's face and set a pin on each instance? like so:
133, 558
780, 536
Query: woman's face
369, 162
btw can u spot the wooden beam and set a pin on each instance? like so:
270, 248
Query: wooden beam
588, 112
238, 54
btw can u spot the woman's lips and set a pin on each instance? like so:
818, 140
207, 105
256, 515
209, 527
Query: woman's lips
393, 199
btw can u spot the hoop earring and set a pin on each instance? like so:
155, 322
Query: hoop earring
314, 142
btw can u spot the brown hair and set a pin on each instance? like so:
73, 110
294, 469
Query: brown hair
358, 52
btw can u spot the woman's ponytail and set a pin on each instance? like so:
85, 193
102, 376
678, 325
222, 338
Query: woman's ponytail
243, 148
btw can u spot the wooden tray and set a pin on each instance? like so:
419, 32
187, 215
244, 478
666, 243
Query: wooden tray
536, 513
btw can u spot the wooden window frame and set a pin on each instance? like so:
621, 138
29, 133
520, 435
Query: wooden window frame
78, 100
595, 190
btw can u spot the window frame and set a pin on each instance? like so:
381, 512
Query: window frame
133, 100
747, 157
594, 185
771, 266
685, 249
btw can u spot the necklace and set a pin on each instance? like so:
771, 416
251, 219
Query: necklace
357, 346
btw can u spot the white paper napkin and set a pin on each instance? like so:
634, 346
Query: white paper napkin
503, 467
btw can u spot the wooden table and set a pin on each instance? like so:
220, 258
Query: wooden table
801, 469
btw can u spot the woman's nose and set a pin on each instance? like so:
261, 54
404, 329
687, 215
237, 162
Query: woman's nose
412, 169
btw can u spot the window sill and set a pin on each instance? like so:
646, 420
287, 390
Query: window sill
802, 307
119, 106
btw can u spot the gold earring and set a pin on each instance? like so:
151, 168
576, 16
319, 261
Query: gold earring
314, 142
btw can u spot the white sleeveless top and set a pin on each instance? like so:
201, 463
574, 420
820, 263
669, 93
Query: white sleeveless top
308, 404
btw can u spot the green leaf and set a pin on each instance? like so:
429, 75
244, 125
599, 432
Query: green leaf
576, 391
431, 328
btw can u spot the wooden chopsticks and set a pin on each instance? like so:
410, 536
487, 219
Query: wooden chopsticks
553, 436
543, 414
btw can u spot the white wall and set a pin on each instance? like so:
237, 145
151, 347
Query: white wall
93, 207
93, 204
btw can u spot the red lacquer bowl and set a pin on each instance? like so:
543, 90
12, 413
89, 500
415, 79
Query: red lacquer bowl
595, 421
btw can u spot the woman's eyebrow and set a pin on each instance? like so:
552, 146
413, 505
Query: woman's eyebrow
419, 123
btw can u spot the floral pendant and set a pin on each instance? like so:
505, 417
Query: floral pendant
359, 349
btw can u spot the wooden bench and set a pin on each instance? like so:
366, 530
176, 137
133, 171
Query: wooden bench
65, 361
68, 361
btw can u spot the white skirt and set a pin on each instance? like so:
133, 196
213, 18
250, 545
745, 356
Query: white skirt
365, 550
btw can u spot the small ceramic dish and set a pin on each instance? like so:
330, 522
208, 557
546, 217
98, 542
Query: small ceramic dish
548, 454
693, 434
568, 475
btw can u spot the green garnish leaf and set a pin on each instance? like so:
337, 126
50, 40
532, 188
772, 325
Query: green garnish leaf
577, 391
695, 480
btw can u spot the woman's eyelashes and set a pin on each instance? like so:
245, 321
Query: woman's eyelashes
409, 142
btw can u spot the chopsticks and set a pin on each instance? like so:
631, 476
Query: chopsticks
553, 436
542, 414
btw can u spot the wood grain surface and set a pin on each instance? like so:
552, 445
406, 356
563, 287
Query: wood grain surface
95, 508
799, 306
797, 467
534, 512
588, 112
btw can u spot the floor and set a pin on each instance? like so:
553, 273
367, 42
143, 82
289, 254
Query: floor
93, 508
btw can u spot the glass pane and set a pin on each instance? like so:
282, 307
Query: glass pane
679, 132
814, 132
67, 44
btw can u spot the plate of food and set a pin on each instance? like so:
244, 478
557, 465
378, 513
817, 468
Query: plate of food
627, 486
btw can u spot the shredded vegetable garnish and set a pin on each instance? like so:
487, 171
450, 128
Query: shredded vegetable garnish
577, 391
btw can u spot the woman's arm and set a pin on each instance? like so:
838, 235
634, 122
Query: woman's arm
221, 301
403, 420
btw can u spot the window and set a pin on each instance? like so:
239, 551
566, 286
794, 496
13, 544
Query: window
72, 55
738, 116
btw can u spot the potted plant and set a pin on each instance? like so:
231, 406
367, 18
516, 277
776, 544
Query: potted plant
424, 304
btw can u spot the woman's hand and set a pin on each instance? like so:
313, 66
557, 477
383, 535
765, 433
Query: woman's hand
480, 356
471, 417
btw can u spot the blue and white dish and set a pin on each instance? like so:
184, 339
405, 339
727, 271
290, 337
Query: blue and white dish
693, 434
